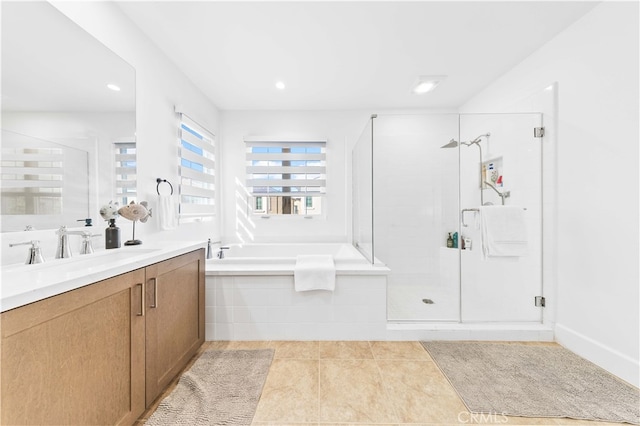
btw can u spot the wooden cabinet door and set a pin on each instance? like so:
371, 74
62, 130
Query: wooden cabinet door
76, 358
174, 318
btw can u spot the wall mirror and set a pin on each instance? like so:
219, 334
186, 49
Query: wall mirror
68, 121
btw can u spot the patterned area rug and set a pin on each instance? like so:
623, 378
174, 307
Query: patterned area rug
534, 381
222, 387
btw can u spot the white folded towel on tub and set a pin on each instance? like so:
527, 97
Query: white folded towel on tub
314, 272
504, 231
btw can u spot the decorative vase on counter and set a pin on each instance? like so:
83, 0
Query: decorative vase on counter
112, 235
109, 212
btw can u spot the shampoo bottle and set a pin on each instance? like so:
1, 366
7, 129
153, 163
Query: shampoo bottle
449, 241
112, 235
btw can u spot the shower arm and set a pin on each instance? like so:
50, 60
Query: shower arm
453, 143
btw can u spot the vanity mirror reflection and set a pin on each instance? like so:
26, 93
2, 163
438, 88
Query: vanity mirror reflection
68, 121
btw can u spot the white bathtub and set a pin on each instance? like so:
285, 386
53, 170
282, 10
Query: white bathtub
276, 259
250, 295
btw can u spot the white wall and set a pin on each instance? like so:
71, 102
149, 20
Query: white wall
595, 65
341, 129
159, 86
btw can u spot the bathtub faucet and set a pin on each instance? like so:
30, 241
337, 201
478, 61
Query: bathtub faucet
209, 251
221, 252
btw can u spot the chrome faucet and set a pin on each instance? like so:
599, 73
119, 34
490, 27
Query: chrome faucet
209, 253
64, 250
35, 255
87, 246
220, 254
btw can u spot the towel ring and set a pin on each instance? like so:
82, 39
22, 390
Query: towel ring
158, 185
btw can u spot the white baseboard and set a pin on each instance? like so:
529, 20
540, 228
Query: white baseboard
619, 364
514, 332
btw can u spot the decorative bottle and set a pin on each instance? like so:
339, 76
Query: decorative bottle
112, 235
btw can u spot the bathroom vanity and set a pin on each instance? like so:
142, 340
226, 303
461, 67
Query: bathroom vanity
101, 352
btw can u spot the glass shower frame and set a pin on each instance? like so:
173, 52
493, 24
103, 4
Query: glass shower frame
362, 192
457, 292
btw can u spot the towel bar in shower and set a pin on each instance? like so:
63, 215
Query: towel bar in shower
462, 215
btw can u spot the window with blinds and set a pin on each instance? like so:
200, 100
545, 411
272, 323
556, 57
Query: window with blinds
196, 170
126, 170
32, 181
286, 178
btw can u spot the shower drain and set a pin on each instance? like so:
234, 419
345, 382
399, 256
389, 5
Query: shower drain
428, 301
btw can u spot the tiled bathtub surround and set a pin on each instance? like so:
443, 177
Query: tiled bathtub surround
268, 308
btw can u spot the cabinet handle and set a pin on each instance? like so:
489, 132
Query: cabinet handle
155, 293
141, 313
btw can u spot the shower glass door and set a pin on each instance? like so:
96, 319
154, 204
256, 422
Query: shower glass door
362, 193
415, 196
500, 165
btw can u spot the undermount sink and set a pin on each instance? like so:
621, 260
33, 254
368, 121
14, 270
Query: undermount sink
78, 261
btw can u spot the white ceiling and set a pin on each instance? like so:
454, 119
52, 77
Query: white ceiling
347, 55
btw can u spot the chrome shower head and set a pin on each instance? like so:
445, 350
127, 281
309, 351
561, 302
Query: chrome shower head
452, 144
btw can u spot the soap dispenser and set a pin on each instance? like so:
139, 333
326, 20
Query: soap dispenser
449, 241
112, 235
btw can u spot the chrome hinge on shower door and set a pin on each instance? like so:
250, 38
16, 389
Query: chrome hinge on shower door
540, 301
538, 132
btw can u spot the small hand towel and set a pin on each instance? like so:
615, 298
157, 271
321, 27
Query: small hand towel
503, 230
167, 212
314, 272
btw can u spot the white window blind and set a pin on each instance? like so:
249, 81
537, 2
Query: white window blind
281, 171
32, 180
126, 170
196, 170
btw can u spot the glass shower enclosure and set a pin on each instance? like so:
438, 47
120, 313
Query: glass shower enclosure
423, 188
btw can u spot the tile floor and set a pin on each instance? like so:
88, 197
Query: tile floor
360, 383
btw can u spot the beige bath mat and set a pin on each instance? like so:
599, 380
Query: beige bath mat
534, 381
222, 387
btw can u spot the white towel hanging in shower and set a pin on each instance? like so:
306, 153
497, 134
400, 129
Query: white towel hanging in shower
504, 231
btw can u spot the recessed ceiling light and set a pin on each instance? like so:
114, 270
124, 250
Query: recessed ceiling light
113, 87
426, 83
280, 85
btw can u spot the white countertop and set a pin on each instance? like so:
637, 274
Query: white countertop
23, 284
